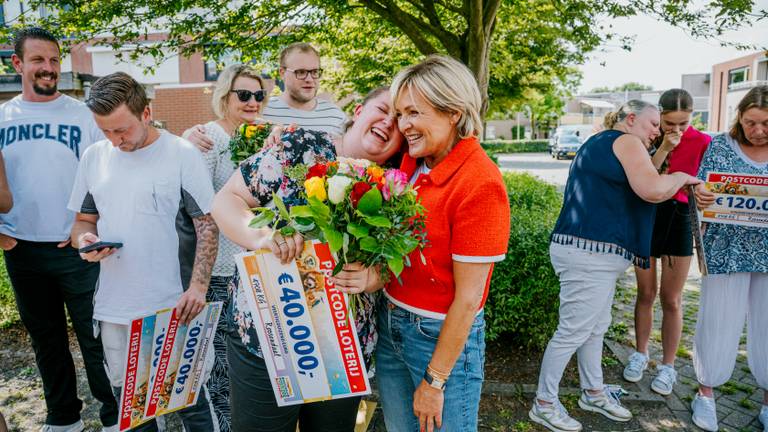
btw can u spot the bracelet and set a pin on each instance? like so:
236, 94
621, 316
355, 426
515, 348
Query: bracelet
437, 373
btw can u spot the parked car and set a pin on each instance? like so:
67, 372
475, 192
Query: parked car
566, 146
581, 131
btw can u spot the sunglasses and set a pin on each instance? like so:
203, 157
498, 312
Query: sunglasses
245, 95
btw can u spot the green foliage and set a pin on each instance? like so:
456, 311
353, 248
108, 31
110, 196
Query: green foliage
630, 86
510, 146
523, 299
8, 313
698, 122
523, 52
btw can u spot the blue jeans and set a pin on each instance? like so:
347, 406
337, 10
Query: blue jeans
405, 347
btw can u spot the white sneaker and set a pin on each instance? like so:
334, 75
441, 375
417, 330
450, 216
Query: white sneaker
638, 362
704, 413
665, 380
78, 426
553, 417
605, 403
764, 417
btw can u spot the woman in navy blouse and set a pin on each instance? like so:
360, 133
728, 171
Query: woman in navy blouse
604, 227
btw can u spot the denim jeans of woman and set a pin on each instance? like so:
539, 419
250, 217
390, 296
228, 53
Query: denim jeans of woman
405, 347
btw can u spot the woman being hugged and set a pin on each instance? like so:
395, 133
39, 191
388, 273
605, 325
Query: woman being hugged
373, 136
431, 349
681, 146
603, 227
736, 288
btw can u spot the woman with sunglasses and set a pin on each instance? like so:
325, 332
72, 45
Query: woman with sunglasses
239, 97
371, 135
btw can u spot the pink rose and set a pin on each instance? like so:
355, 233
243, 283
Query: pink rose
395, 182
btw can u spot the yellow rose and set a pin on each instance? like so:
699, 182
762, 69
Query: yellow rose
315, 188
375, 173
250, 131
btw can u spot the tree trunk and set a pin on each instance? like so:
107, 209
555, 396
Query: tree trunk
482, 20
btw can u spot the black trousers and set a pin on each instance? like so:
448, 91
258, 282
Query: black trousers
254, 408
45, 279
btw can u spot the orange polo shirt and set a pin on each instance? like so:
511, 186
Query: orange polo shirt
467, 220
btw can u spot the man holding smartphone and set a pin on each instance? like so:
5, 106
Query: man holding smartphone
151, 192
43, 134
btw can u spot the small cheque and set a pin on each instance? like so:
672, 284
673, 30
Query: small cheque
741, 199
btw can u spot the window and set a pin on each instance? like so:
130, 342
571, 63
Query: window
738, 75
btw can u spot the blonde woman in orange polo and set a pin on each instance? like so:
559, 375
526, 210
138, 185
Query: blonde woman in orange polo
431, 349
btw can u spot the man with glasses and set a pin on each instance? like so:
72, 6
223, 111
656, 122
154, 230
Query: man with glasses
300, 71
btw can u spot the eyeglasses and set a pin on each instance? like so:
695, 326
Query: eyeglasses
245, 95
302, 73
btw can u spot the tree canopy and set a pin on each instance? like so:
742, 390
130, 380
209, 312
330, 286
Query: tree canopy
519, 50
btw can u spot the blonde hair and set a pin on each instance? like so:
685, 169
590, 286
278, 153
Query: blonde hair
448, 86
632, 106
227, 77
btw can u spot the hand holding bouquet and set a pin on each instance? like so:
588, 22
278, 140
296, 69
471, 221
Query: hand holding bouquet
365, 213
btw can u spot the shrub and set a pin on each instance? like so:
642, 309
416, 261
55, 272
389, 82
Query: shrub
523, 299
521, 146
9, 315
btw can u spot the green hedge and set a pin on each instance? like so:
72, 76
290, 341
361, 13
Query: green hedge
523, 300
521, 146
8, 313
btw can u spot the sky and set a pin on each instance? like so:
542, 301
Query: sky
661, 54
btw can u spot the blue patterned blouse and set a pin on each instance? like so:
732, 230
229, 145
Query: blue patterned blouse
733, 248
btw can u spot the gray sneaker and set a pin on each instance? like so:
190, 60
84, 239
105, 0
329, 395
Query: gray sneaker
764, 417
605, 403
638, 362
77, 426
553, 417
665, 380
704, 413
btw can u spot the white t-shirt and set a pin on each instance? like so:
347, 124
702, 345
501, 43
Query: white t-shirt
42, 143
145, 199
326, 117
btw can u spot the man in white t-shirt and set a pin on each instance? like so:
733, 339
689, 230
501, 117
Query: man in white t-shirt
299, 105
43, 134
151, 191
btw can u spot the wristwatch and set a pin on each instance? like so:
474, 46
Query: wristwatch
434, 382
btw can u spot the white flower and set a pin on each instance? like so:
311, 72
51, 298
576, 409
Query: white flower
337, 188
348, 165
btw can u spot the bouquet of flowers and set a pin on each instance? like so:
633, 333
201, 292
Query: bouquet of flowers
365, 213
247, 140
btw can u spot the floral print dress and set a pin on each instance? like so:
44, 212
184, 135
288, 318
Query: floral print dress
264, 173
733, 248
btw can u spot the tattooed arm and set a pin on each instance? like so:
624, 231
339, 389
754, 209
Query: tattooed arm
193, 300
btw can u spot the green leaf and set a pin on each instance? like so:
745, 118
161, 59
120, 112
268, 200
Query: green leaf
281, 206
369, 244
321, 210
287, 231
334, 239
301, 212
262, 218
378, 221
396, 265
370, 202
357, 230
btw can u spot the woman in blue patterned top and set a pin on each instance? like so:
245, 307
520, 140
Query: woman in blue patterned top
373, 135
604, 227
736, 288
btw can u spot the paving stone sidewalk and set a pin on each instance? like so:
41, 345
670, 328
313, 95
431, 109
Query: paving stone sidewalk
738, 401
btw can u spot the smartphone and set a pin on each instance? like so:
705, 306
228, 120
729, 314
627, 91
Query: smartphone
99, 246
